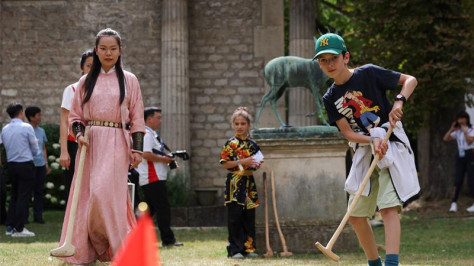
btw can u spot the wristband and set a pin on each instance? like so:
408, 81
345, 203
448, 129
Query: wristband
137, 139
241, 168
78, 127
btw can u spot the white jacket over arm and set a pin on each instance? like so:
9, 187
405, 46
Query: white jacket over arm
399, 159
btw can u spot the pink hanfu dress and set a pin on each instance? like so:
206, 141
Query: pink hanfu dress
104, 213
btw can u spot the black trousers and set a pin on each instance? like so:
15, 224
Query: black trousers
22, 177
3, 198
156, 197
464, 165
69, 174
38, 193
240, 225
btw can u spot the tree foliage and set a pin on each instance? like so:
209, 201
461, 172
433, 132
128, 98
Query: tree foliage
431, 40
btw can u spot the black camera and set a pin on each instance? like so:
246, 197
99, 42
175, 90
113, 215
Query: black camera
181, 154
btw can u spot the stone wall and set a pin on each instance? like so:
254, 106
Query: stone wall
229, 43
224, 74
41, 44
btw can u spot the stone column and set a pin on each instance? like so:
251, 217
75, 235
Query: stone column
302, 27
174, 78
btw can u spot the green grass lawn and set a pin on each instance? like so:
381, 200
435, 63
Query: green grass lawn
430, 236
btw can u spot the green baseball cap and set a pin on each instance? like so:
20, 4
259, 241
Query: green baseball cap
329, 43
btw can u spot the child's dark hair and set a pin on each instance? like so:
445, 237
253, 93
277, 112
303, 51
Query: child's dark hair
149, 111
14, 109
86, 54
31, 111
244, 112
464, 114
91, 78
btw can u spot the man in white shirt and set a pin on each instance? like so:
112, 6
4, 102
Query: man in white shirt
153, 171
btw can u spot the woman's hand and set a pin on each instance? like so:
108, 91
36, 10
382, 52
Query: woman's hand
136, 158
82, 141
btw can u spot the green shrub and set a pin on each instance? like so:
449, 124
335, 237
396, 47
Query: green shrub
54, 185
179, 193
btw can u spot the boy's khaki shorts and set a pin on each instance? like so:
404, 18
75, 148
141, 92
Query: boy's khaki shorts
382, 194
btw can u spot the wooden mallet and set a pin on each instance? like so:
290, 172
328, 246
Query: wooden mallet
328, 249
67, 249
285, 252
267, 237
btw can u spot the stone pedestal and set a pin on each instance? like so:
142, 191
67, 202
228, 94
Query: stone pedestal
309, 175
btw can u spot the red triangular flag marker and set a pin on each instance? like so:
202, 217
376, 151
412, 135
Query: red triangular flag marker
140, 246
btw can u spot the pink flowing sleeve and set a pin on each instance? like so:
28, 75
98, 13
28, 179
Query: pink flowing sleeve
136, 109
76, 114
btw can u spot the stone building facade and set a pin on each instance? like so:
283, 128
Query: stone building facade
228, 44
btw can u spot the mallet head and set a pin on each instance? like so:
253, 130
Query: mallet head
327, 252
64, 251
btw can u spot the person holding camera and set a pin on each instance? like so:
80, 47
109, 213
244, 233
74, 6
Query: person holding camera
153, 171
462, 131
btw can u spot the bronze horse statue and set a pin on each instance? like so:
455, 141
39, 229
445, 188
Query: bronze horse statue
291, 71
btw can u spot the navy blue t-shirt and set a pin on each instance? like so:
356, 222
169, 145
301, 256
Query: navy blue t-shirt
362, 99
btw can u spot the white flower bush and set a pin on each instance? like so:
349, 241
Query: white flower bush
55, 196
49, 185
55, 165
51, 158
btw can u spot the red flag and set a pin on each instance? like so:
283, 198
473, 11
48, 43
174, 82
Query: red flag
140, 247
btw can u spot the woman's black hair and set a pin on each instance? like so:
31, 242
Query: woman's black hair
91, 78
464, 114
86, 54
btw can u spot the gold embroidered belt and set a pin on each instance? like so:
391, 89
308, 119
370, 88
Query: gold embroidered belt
104, 124
243, 173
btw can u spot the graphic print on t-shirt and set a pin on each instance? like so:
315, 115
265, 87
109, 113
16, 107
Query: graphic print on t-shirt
358, 110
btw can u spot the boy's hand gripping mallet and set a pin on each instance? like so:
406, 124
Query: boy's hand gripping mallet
67, 249
267, 237
328, 249
285, 252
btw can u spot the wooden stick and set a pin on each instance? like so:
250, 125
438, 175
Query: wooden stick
67, 249
267, 237
328, 249
285, 252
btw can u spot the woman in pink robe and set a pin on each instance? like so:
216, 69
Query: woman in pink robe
104, 213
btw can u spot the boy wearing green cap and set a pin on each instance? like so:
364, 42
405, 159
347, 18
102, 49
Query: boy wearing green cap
357, 104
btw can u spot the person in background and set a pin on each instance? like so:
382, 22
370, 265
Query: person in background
33, 114
357, 104
108, 100
153, 171
67, 141
462, 131
3, 190
241, 196
21, 146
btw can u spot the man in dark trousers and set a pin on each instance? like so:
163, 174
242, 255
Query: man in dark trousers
20, 145
153, 171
